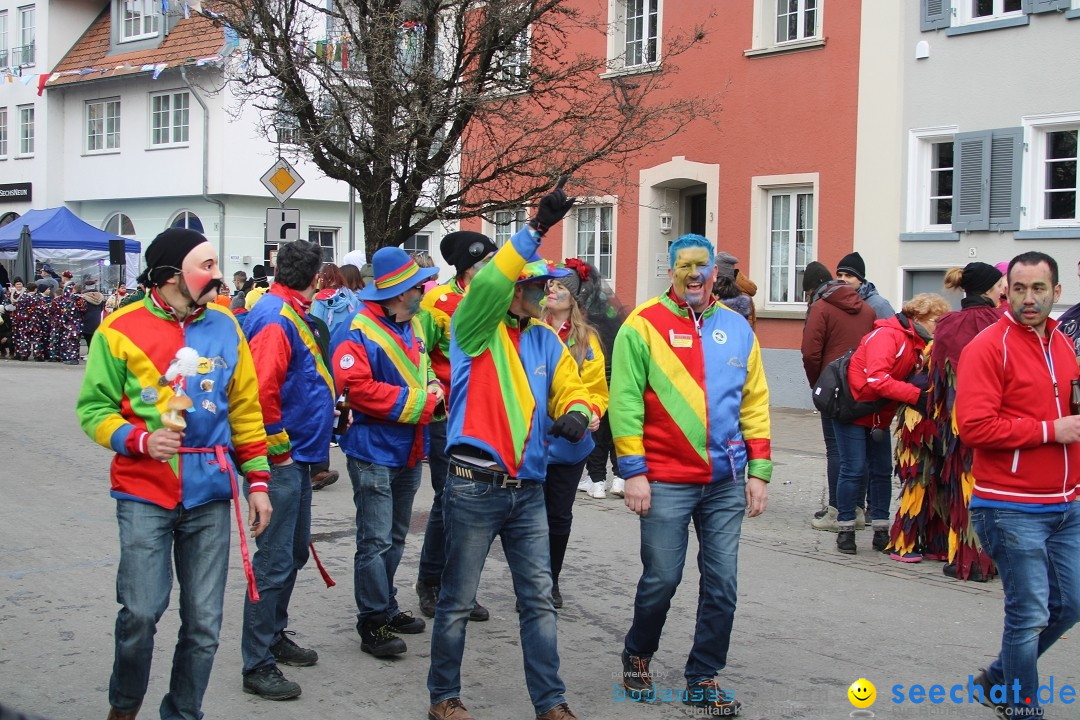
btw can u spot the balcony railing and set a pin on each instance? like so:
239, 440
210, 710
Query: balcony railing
22, 56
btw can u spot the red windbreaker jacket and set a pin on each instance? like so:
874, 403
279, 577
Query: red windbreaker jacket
880, 367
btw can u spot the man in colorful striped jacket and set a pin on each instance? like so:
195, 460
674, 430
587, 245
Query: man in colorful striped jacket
514, 383
173, 488
296, 392
690, 416
393, 394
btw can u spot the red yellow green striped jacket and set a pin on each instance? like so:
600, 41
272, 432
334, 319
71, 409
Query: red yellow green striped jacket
689, 401
509, 380
440, 303
121, 402
385, 366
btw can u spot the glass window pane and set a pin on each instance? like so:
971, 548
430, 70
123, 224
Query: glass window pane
1061, 205
1061, 145
1061, 175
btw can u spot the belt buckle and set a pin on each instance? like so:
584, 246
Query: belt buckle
509, 482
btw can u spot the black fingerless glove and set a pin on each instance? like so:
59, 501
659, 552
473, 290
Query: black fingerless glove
571, 426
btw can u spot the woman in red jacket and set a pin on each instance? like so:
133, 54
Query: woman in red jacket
878, 371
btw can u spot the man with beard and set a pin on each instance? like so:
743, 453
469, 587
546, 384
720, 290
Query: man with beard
690, 417
172, 488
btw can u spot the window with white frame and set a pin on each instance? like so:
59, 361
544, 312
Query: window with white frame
796, 20
23, 54
287, 126
326, 239
169, 118
982, 10
139, 19
3, 133
3, 38
791, 242
507, 223
1052, 166
102, 125
420, 242
187, 220
26, 131
940, 188
634, 38
119, 224
512, 64
595, 239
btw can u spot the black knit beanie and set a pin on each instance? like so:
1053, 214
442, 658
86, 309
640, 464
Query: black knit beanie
979, 277
853, 264
814, 275
465, 248
166, 254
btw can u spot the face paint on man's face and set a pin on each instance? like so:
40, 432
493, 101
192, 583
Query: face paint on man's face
532, 293
200, 274
691, 275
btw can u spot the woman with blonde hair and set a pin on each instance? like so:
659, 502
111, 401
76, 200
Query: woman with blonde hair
877, 373
566, 461
932, 522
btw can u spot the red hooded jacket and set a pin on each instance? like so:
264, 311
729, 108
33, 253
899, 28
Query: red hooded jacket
880, 366
836, 321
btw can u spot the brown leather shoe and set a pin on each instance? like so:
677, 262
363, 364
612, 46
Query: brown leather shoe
321, 480
450, 709
115, 714
559, 712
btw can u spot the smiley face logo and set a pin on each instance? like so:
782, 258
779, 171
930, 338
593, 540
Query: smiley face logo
862, 693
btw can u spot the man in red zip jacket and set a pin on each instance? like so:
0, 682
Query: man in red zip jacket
1012, 407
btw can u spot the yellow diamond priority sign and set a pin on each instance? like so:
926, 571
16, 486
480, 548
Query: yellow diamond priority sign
282, 180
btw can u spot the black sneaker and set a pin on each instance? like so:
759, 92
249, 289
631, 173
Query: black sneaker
556, 596
845, 542
479, 613
286, 652
429, 596
636, 678
376, 638
983, 682
269, 683
406, 624
881, 540
708, 694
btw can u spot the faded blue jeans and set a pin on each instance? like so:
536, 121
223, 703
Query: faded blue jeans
384, 498
716, 511
860, 454
1035, 554
475, 513
151, 538
282, 551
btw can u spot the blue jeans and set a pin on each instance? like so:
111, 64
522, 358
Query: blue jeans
716, 511
474, 514
433, 555
151, 538
832, 458
860, 454
1035, 554
383, 497
282, 551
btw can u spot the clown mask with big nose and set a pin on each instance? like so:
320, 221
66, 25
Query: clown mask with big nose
200, 276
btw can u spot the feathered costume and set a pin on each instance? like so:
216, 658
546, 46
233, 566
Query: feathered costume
933, 463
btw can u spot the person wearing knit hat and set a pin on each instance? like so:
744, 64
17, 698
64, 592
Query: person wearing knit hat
852, 270
836, 320
467, 251
170, 387
730, 284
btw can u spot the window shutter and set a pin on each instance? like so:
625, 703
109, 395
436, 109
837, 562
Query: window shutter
936, 14
1034, 7
1006, 160
971, 201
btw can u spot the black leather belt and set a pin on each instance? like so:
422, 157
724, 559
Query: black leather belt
479, 474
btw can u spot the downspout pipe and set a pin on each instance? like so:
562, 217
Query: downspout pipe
206, 163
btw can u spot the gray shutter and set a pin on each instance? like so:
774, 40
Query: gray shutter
971, 201
1034, 7
935, 14
1006, 160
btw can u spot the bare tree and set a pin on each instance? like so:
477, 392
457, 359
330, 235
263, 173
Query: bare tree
451, 109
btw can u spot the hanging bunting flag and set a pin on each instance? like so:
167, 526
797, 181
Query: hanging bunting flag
27, 79
344, 56
158, 68
187, 10
231, 38
164, 7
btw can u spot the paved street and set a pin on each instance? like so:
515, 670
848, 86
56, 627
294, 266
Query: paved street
810, 620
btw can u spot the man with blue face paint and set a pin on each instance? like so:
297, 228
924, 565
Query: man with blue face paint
689, 413
393, 394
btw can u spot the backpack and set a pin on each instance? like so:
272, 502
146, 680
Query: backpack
334, 306
832, 393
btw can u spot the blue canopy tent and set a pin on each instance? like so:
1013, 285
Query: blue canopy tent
58, 235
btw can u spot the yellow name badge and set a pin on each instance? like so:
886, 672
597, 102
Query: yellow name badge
680, 341
205, 365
